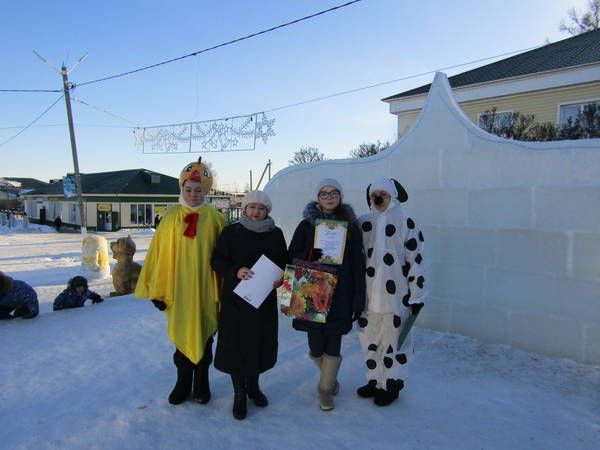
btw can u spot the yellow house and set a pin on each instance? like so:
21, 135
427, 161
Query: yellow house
553, 82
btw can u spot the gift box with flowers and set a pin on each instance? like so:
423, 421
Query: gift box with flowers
307, 291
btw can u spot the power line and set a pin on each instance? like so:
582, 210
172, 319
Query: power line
106, 112
30, 90
350, 91
220, 45
34, 120
52, 125
297, 103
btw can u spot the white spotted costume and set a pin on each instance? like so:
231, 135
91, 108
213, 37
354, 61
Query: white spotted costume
393, 247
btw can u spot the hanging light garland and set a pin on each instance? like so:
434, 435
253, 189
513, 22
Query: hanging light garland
238, 133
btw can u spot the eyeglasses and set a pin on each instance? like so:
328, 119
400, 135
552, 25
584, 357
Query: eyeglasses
325, 195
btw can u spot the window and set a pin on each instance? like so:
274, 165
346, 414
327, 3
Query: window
141, 214
571, 111
74, 213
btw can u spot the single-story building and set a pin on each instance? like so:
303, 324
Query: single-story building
112, 200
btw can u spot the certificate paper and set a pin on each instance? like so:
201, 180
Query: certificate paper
330, 236
256, 289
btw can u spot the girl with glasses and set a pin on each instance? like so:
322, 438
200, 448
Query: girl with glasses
325, 339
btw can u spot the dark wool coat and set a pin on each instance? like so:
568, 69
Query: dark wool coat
349, 294
247, 337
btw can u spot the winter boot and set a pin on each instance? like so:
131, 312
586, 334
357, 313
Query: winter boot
201, 385
239, 397
254, 392
317, 362
330, 365
384, 397
185, 373
368, 390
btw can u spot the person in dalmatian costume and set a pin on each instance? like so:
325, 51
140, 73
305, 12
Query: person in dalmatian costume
395, 289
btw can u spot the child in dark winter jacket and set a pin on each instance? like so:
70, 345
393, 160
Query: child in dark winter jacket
75, 295
17, 299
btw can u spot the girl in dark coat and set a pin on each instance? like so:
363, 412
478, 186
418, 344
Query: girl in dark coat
247, 343
325, 339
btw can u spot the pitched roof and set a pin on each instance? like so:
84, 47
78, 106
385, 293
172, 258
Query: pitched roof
581, 49
132, 181
27, 183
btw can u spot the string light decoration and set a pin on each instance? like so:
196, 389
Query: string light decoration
221, 135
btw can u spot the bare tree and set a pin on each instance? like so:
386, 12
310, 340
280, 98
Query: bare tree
523, 127
588, 21
364, 150
306, 155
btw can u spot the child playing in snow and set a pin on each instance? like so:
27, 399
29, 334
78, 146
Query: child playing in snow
17, 299
75, 295
393, 247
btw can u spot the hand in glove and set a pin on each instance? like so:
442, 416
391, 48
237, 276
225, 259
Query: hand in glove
415, 308
159, 304
95, 298
315, 254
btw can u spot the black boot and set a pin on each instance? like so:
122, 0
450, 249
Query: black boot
384, 397
254, 392
201, 384
239, 397
185, 373
368, 390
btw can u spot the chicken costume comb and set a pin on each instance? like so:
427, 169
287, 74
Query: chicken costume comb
196, 171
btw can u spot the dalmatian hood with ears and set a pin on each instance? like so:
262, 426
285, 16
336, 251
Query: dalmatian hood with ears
393, 247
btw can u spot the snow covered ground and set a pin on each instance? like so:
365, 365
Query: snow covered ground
98, 377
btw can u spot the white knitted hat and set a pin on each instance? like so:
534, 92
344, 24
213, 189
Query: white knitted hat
257, 197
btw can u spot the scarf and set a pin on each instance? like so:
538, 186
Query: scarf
258, 226
191, 219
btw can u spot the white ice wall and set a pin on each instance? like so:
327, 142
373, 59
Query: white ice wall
512, 229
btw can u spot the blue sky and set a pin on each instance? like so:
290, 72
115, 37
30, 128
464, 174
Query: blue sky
366, 43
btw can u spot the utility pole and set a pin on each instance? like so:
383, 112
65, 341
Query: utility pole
268, 166
66, 88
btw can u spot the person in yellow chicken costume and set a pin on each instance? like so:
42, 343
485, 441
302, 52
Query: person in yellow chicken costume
178, 278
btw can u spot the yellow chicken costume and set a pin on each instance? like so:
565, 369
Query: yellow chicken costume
178, 277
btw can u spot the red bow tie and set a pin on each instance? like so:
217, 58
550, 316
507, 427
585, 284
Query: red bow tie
192, 221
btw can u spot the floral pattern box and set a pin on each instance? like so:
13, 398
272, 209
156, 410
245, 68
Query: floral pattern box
307, 291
